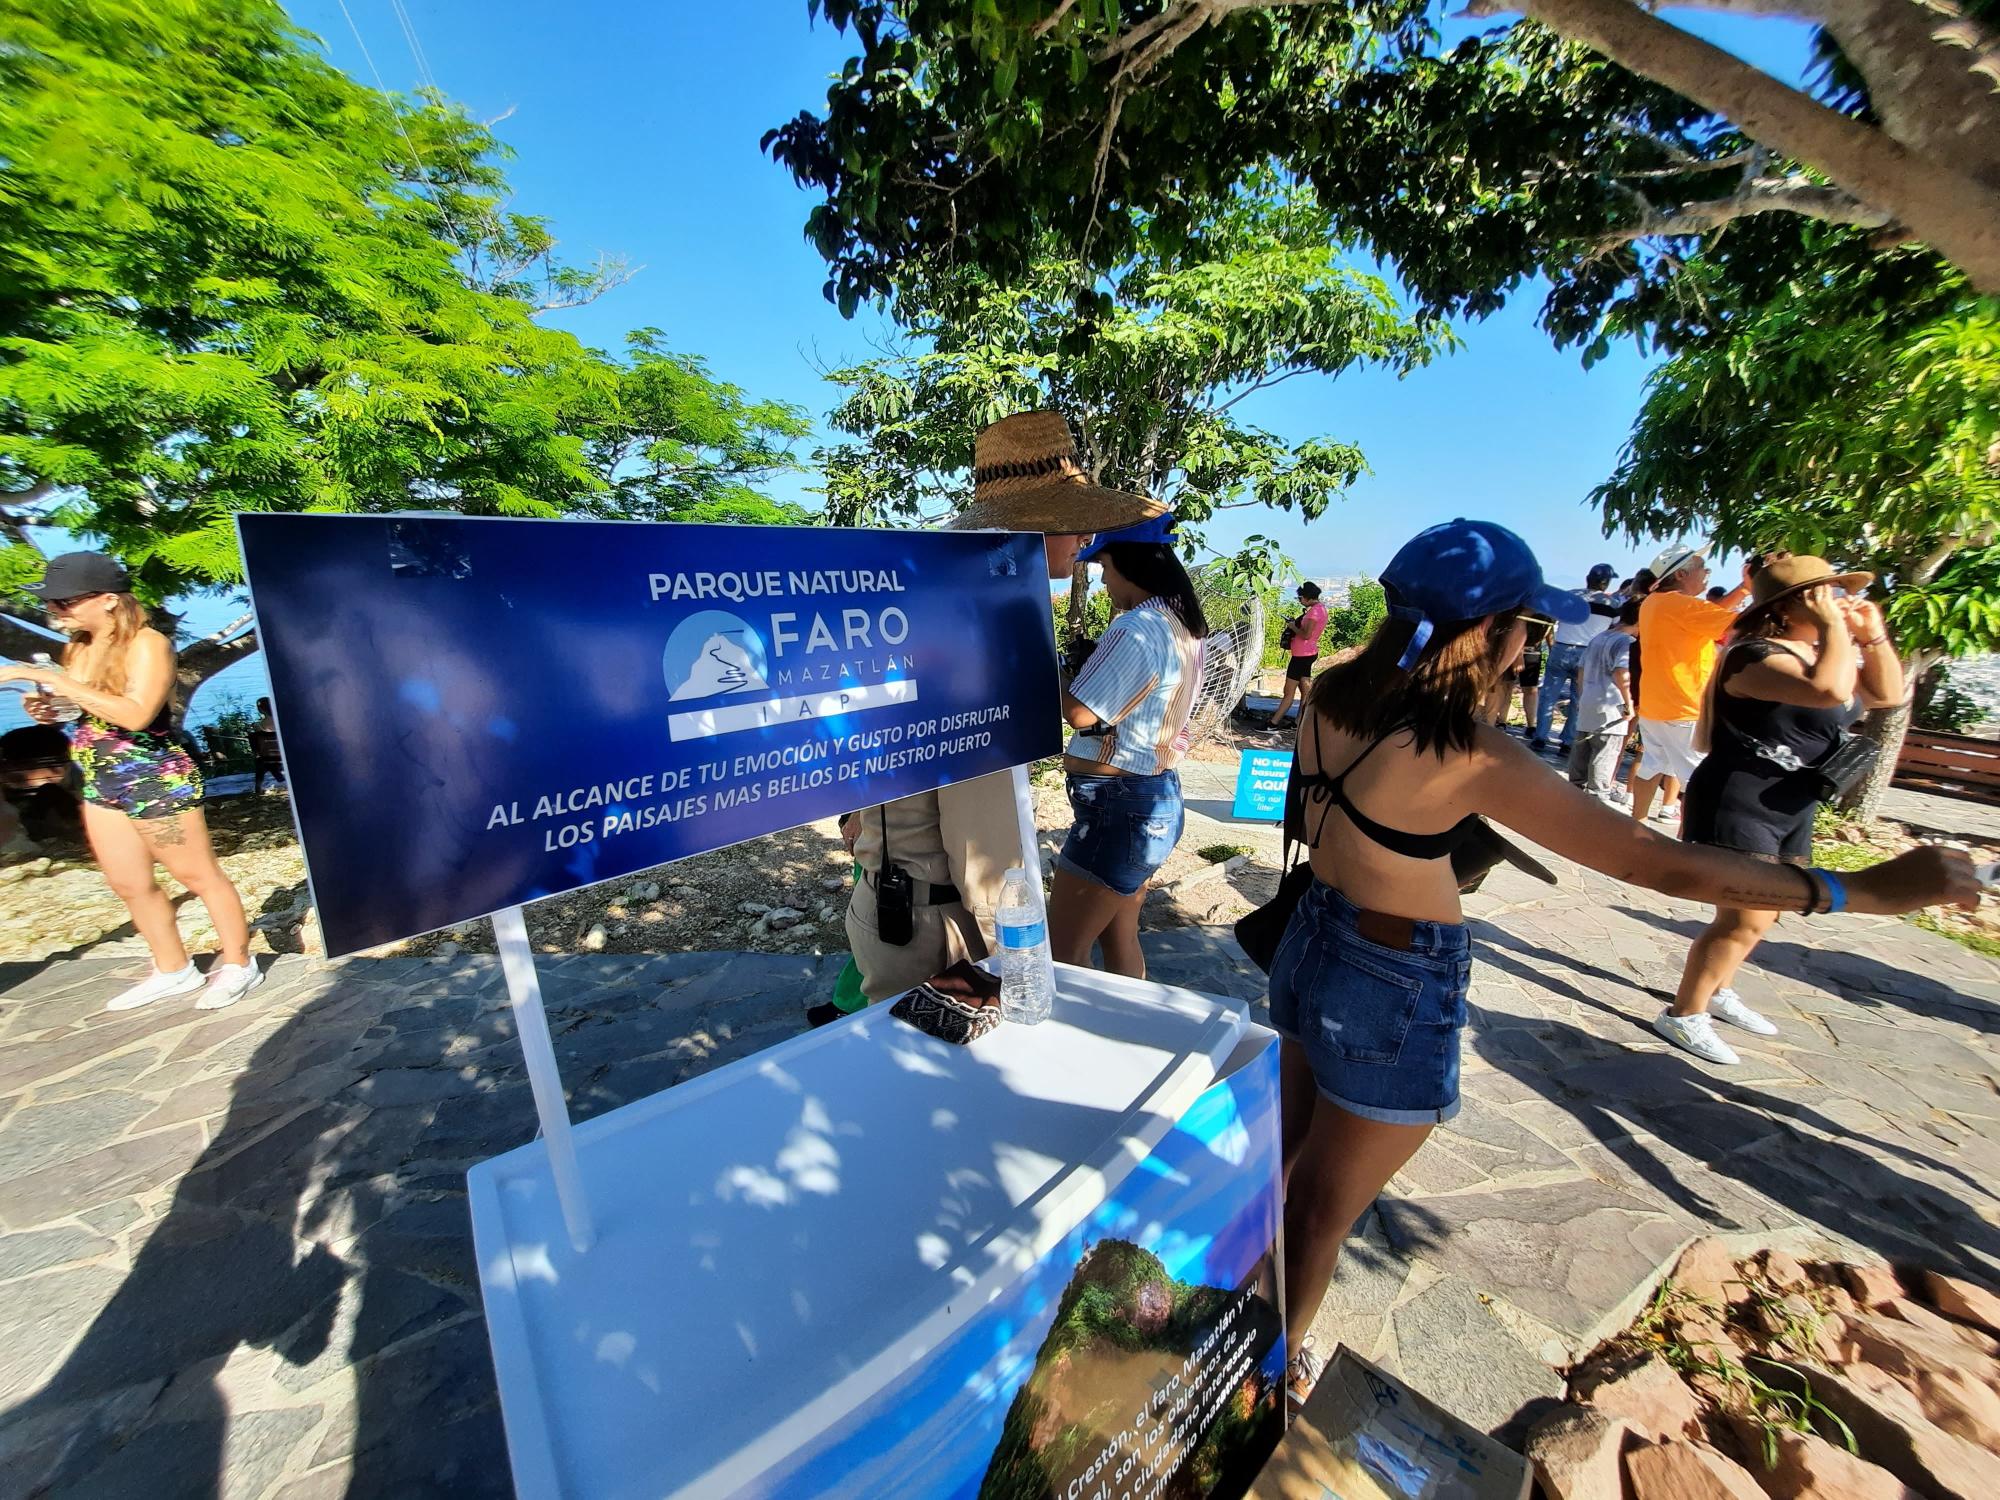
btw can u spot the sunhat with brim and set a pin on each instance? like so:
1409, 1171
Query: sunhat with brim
1159, 532
1674, 558
1462, 570
1785, 577
1026, 476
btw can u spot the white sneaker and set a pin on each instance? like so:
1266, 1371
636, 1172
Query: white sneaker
157, 986
1303, 1373
1695, 1034
228, 983
1728, 1006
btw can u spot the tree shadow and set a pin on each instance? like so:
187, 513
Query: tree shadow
1838, 1178
1855, 977
324, 1221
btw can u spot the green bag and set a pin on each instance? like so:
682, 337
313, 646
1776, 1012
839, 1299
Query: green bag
847, 996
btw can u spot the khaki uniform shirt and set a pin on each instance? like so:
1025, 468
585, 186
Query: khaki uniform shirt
966, 835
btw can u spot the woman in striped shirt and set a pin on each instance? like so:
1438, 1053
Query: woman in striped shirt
1129, 706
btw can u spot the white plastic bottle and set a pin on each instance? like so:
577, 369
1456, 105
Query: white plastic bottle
61, 709
1024, 951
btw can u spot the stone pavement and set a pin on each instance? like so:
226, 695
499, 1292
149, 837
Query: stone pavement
234, 1255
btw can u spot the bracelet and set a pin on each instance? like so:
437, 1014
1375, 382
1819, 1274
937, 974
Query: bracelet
1836, 889
1814, 891
1870, 645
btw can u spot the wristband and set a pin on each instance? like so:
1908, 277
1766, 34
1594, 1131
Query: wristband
1871, 644
1815, 892
1836, 890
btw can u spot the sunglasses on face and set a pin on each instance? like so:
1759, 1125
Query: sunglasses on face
66, 605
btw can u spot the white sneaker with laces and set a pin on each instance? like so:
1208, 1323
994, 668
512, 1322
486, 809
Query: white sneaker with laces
1728, 1006
1302, 1374
228, 983
157, 986
1695, 1034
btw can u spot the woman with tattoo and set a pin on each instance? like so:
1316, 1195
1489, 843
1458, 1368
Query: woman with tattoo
1368, 986
142, 794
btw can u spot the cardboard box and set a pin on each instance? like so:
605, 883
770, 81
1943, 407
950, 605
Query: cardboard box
1364, 1435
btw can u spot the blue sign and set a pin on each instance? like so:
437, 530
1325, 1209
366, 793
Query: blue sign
1260, 785
477, 713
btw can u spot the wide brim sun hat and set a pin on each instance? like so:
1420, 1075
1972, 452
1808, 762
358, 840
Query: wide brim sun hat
1786, 577
1026, 476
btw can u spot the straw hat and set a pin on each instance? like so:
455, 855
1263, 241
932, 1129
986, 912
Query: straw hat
1785, 575
1026, 477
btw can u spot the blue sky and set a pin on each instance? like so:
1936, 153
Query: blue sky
635, 128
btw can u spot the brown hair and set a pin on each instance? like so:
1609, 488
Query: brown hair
99, 660
1368, 696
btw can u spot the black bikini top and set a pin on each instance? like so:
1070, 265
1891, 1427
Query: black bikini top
1331, 792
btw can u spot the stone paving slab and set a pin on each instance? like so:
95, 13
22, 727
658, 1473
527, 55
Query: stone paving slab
235, 1258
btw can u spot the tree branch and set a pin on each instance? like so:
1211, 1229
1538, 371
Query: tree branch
1957, 214
1049, 22
1768, 195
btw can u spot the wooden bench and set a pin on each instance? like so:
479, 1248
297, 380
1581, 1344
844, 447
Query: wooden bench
1959, 765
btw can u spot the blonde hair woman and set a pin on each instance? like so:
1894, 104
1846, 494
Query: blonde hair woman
142, 793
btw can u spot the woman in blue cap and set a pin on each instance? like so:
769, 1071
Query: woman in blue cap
1129, 705
1368, 986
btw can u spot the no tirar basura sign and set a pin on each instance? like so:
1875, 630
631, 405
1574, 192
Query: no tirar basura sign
477, 713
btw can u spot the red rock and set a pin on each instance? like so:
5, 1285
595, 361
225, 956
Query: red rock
1707, 1270
1701, 1332
1964, 1300
1646, 1392
1891, 1430
1682, 1471
1810, 1468
1784, 1272
1872, 1286
1919, 1316
1575, 1453
1905, 1350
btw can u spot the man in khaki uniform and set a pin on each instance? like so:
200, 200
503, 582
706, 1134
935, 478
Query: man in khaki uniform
957, 842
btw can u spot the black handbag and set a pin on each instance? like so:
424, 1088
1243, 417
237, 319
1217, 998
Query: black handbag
1845, 767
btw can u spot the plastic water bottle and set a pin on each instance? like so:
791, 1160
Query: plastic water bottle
1024, 951
60, 708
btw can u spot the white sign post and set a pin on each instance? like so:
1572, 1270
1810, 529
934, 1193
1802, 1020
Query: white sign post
524, 991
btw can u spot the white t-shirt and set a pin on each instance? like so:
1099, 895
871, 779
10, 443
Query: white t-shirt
1583, 632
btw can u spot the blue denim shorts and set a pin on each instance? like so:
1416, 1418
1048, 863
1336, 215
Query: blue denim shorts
1124, 828
1379, 1025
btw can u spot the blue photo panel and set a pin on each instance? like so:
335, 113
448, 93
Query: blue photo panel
477, 712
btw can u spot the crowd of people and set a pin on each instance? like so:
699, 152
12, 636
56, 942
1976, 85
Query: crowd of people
1741, 706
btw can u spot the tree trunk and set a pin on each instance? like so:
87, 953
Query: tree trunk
1958, 215
203, 659
1079, 599
1887, 728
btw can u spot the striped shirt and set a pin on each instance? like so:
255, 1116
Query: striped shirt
1140, 682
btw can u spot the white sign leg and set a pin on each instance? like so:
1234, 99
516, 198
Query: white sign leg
524, 990
1031, 849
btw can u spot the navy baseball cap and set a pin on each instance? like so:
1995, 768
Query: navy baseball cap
1159, 529
1463, 570
76, 573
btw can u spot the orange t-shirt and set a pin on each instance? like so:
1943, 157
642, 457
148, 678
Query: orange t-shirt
1677, 636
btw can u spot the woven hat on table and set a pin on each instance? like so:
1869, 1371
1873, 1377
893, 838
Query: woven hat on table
1026, 476
1786, 575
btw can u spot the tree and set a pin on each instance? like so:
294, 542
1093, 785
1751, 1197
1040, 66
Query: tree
1827, 429
1470, 165
233, 279
1151, 372
1353, 622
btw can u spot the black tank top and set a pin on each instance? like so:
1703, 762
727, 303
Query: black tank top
1331, 792
1750, 729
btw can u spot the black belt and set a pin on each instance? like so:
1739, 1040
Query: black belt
936, 894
